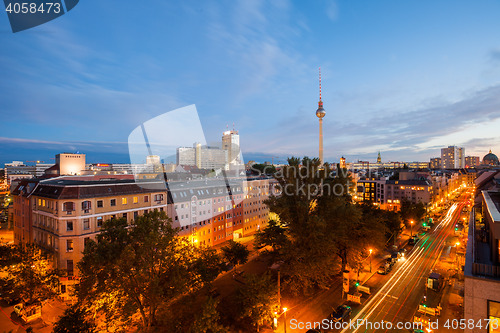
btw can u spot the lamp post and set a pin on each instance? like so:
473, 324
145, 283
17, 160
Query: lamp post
411, 228
284, 312
370, 250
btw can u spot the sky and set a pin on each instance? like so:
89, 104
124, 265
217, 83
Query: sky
401, 77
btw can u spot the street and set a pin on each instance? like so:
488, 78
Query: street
396, 301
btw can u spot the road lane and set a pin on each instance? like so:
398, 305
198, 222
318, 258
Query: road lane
400, 295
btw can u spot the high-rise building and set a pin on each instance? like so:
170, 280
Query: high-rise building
453, 157
379, 158
320, 113
231, 144
203, 157
472, 161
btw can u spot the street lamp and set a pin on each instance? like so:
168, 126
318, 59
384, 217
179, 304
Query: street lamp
411, 228
284, 312
370, 250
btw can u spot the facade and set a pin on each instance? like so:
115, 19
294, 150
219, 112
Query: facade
471, 161
435, 163
21, 212
67, 213
61, 214
389, 194
453, 157
231, 144
19, 170
70, 164
203, 157
482, 262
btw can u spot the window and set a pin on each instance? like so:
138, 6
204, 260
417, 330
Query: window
124, 215
69, 245
136, 200
68, 206
158, 197
86, 205
124, 201
136, 214
69, 226
99, 203
86, 240
113, 202
69, 267
145, 211
99, 221
86, 224
494, 316
146, 198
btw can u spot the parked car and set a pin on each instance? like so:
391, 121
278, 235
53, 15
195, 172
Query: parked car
18, 308
341, 313
413, 240
384, 269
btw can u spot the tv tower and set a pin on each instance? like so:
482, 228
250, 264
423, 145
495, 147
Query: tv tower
320, 113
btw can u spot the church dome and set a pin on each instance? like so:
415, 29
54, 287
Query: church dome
490, 159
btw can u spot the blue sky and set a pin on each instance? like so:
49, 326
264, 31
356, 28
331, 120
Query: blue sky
402, 77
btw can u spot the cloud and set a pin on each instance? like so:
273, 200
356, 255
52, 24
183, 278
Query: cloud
406, 133
332, 10
495, 55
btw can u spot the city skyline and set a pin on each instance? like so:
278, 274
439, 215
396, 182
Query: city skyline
390, 83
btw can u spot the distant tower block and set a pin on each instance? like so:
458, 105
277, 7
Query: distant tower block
320, 113
379, 158
342, 163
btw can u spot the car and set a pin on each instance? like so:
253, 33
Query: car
413, 240
341, 313
383, 269
18, 308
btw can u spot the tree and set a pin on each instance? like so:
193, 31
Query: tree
74, 319
132, 270
323, 224
208, 321
410, 211
263, 169
235, 253
30, 274
272, 235
257, 299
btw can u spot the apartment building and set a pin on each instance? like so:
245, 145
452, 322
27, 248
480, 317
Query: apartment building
482, 262
389, 194
67, 213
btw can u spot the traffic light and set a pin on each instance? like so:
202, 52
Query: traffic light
357, 284
424, 224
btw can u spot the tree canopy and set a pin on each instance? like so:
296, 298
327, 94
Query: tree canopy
134, 269
326, 232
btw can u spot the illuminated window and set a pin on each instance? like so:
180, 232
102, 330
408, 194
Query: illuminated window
494, 316
136, 200
69, 245
124, 201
